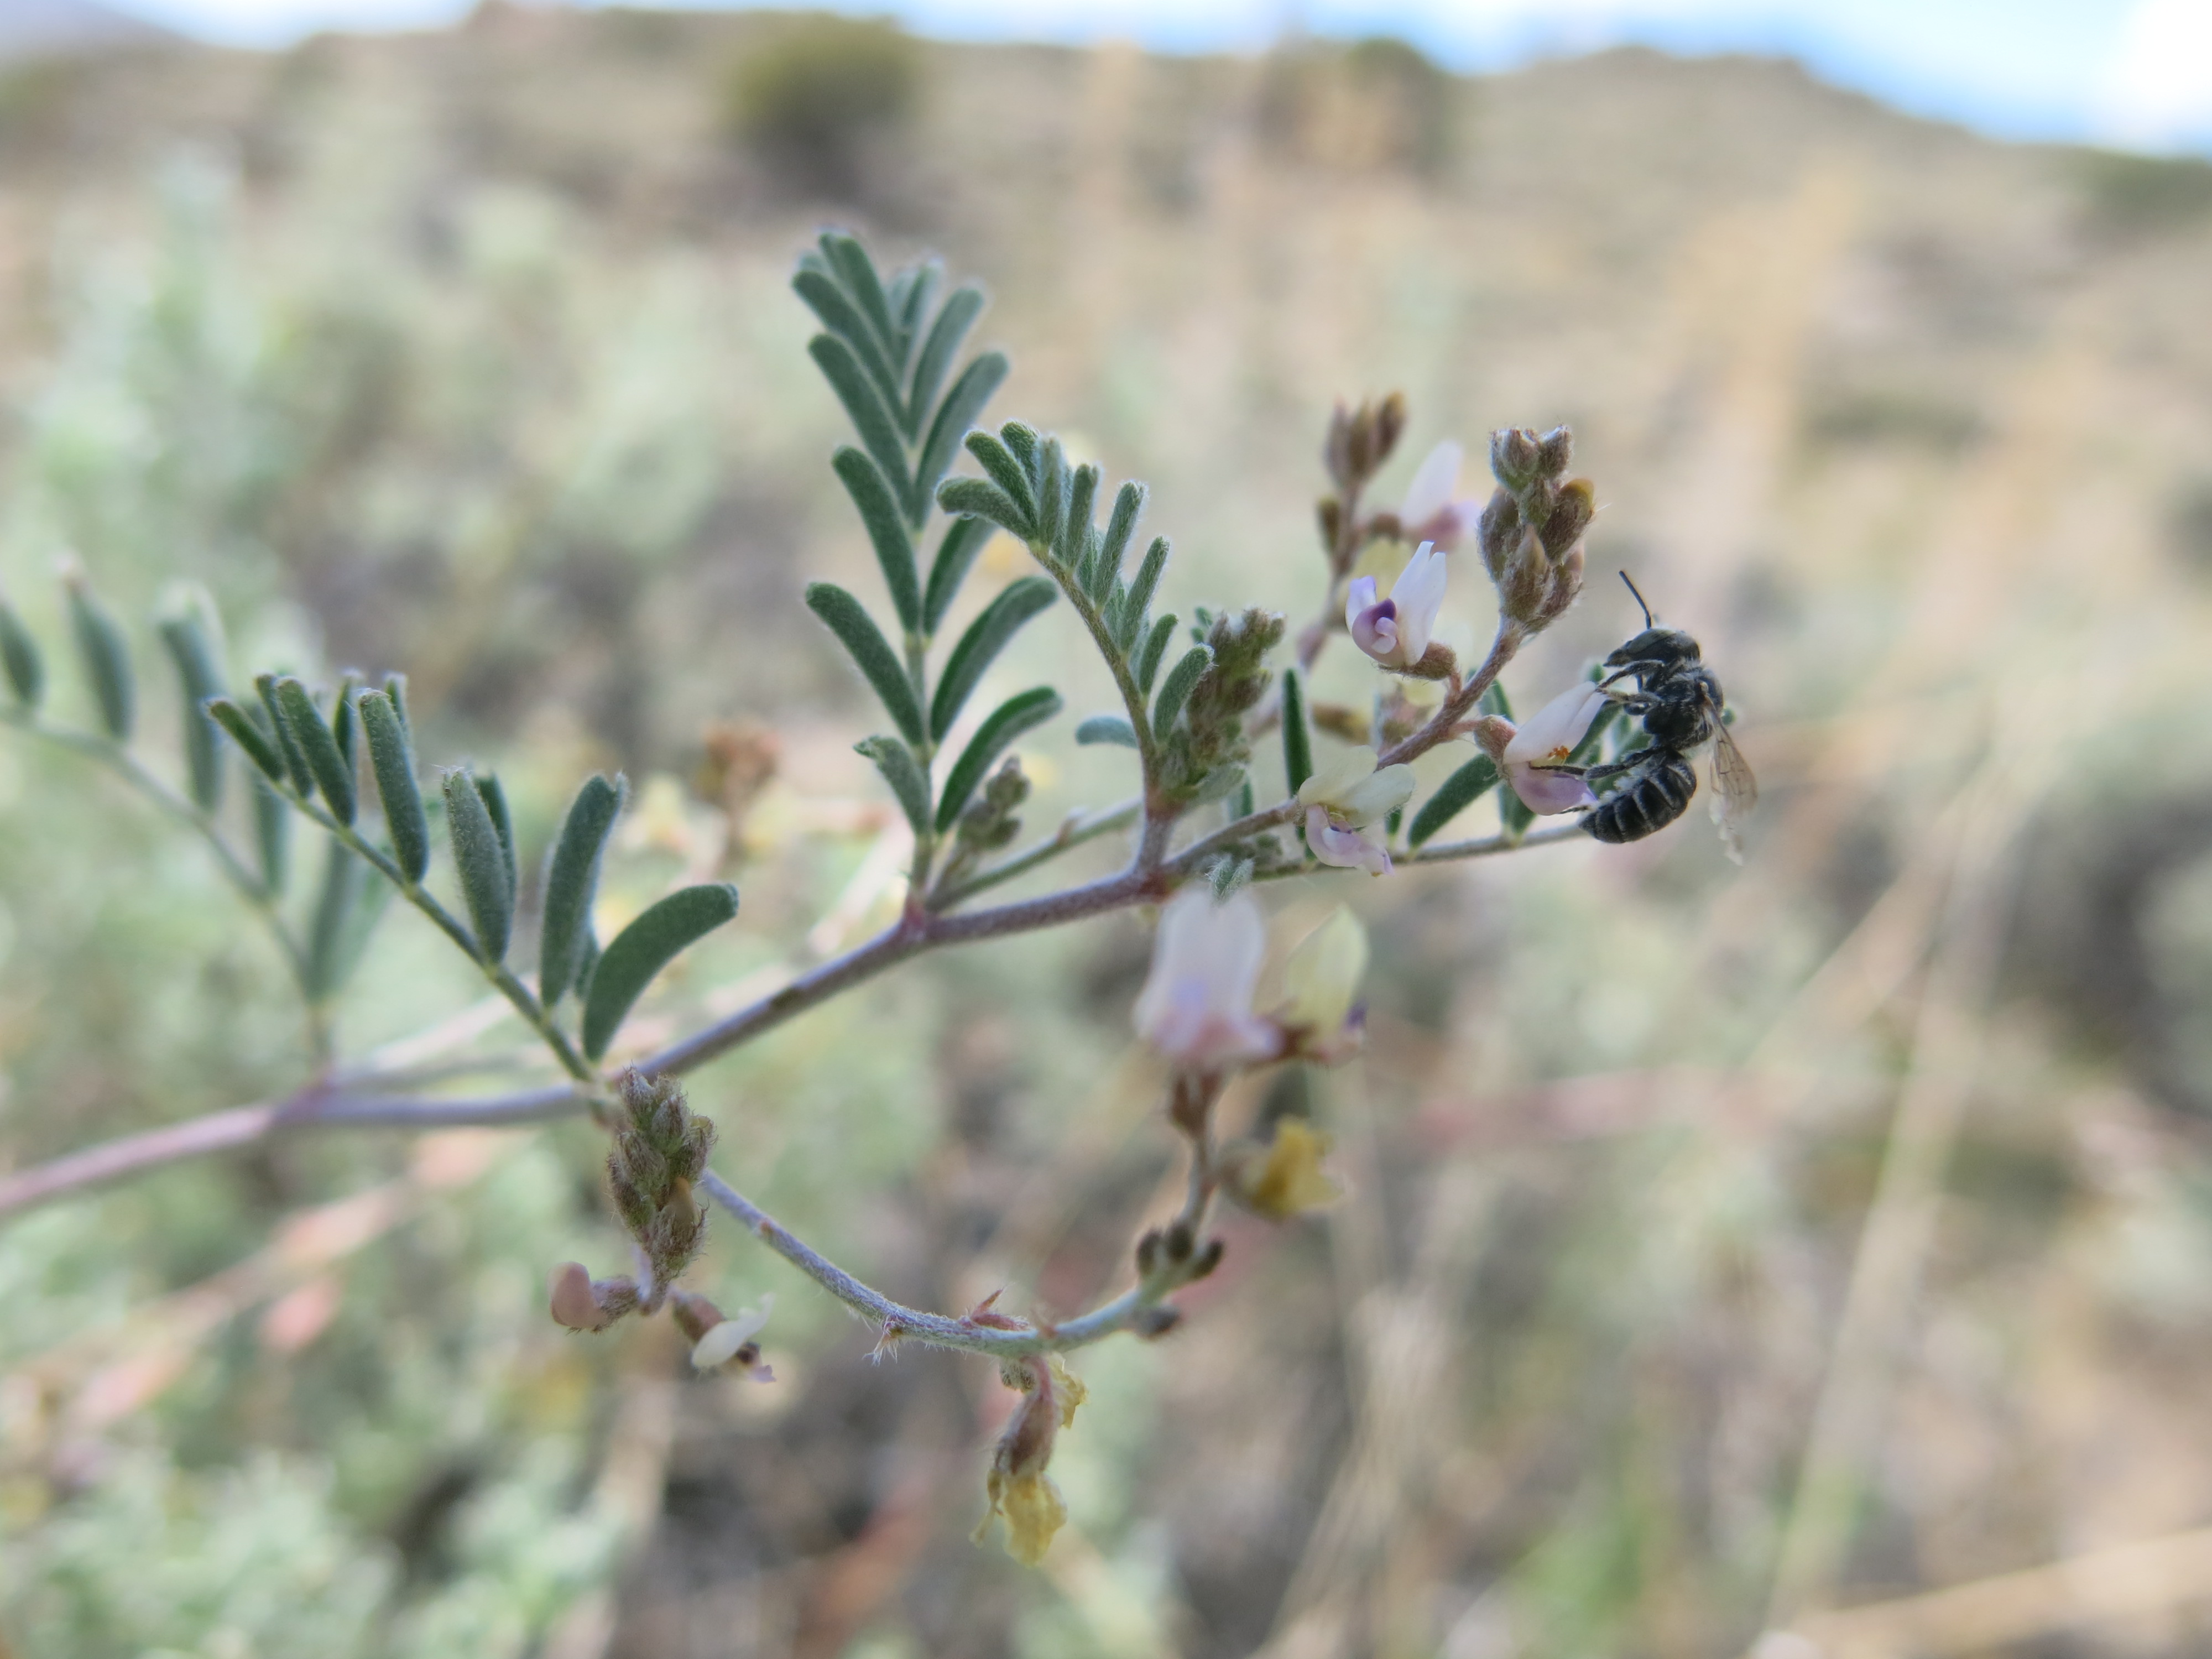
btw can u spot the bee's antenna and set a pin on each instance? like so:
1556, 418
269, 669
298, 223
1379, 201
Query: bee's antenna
1646, 608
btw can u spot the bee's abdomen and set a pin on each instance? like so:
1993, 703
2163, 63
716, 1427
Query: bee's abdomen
1657, 795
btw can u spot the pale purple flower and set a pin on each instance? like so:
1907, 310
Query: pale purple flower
1396, 631
1343, 800
1197, 1006
1431, 512
1550, 735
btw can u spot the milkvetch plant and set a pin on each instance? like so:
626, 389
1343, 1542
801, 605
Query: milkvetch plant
316, 805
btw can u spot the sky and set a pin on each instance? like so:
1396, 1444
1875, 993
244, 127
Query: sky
2132, 73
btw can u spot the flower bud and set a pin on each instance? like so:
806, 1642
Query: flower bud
1155, 1321
1514, 458
1499, 531
582, 1304
1567, 586
656, 1156
1572, 510
1553, 451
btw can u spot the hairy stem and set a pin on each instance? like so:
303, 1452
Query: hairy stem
1077, 830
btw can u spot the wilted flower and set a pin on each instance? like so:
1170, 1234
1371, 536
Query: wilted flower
1343, 800
1431, 511
1033, 1510
1197, 1006
1323, 980
1286, 1180
717, 1342
1550, 735
1396, 631
1020, 1491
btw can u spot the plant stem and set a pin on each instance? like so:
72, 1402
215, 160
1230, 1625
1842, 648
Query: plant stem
502, 978
249, 885
1073, 833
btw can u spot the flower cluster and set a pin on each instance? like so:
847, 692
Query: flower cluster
1531, 530
660, 1152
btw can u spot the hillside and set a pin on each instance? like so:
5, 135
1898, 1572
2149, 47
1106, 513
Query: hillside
472, 352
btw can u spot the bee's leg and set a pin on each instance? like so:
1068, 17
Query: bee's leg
1627, 762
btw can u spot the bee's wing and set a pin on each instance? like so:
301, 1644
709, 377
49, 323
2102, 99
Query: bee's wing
1736, 792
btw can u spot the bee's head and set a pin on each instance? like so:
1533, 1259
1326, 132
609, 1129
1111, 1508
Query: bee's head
1664, 647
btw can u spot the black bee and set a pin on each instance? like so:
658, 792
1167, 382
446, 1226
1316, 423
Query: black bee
1680, 702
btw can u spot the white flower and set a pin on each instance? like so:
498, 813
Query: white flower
724, 1342
1343, 800
1550, 736
1197, 1006
1396, 631
1431, 512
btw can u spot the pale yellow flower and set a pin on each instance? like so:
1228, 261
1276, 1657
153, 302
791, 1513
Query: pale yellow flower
1322, 976
1033, 1510
1287, 1180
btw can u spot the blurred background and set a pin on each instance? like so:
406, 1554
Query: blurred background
1826, 1244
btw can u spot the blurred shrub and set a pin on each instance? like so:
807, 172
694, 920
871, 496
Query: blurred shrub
34, 101
2190, 525
2136, 194
1892, 415
1376, 105
816, 100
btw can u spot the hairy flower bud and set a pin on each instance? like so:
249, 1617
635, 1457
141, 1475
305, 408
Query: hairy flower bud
582, 1304
656, 1157
1573, 509
1553, 451
1499, 532
1514, 458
